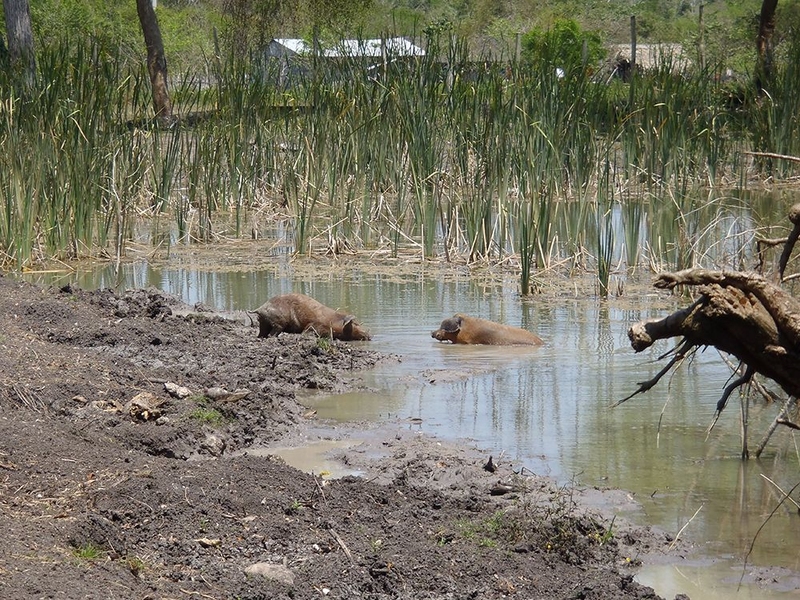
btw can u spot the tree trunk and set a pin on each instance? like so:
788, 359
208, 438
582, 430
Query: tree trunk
766, 27
742, 314
20, 37
156, 61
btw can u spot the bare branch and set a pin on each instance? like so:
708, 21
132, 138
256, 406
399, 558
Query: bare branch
794, 217
774, 155
680, 354
783, 308
745, 378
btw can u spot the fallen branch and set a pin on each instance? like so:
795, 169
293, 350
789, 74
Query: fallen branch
794, 217
736, 383
786, 496
779, 420
774, 155
741, 314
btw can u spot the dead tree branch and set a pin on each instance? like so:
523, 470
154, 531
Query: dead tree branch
794, 217
736, 383
680, 354
787, 242
742, 314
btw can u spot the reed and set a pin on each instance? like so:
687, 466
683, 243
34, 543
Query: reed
773, 124
453, 154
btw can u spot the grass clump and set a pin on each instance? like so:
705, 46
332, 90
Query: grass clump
206, 414
88, 552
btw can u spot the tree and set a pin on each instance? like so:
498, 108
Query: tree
156, 60
566, 45
20, 37
254, 22
766, 28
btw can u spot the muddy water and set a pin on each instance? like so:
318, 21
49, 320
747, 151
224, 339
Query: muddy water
548, 408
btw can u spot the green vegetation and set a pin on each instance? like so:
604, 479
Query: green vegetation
88, 552
205, 414
136, 566
564, 45
294, 508
465, 152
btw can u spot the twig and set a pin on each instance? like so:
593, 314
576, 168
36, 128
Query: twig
774, 155
341, 543
781, 491
748, 374
646, 385
779, 420
319, 487
753, 541
678, 535
191, 593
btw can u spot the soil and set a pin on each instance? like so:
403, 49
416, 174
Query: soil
129, 426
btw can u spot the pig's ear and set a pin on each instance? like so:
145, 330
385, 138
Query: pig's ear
451, 325
347, 325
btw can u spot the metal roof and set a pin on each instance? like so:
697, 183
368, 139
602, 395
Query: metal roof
353, 48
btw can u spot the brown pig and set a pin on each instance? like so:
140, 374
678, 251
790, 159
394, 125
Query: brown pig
296, 313
462, 329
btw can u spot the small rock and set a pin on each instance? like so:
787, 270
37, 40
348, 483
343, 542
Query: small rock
501, 488
270, 571
214, 445
145, 406
177, 391
490, 466
223, 395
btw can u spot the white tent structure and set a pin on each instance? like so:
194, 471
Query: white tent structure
371, 48
294, 57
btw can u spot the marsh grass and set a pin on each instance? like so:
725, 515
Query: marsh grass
456, 155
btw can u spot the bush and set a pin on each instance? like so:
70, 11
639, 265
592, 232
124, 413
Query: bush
563, 46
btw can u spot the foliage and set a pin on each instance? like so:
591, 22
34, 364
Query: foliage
565, 45
189, 27
249, 24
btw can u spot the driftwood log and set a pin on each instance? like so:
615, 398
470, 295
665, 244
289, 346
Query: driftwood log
742, 314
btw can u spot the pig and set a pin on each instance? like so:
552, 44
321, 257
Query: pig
463, 329
297, 313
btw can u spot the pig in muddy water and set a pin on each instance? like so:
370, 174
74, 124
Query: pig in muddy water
296, 313
462, 329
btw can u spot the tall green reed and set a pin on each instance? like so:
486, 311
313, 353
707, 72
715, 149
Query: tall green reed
454, 154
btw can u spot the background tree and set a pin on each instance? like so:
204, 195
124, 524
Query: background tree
156, 60
563, 45
252, 23
20, 37
766, 29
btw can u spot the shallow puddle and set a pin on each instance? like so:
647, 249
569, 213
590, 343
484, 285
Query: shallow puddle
313, 457
719, 580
